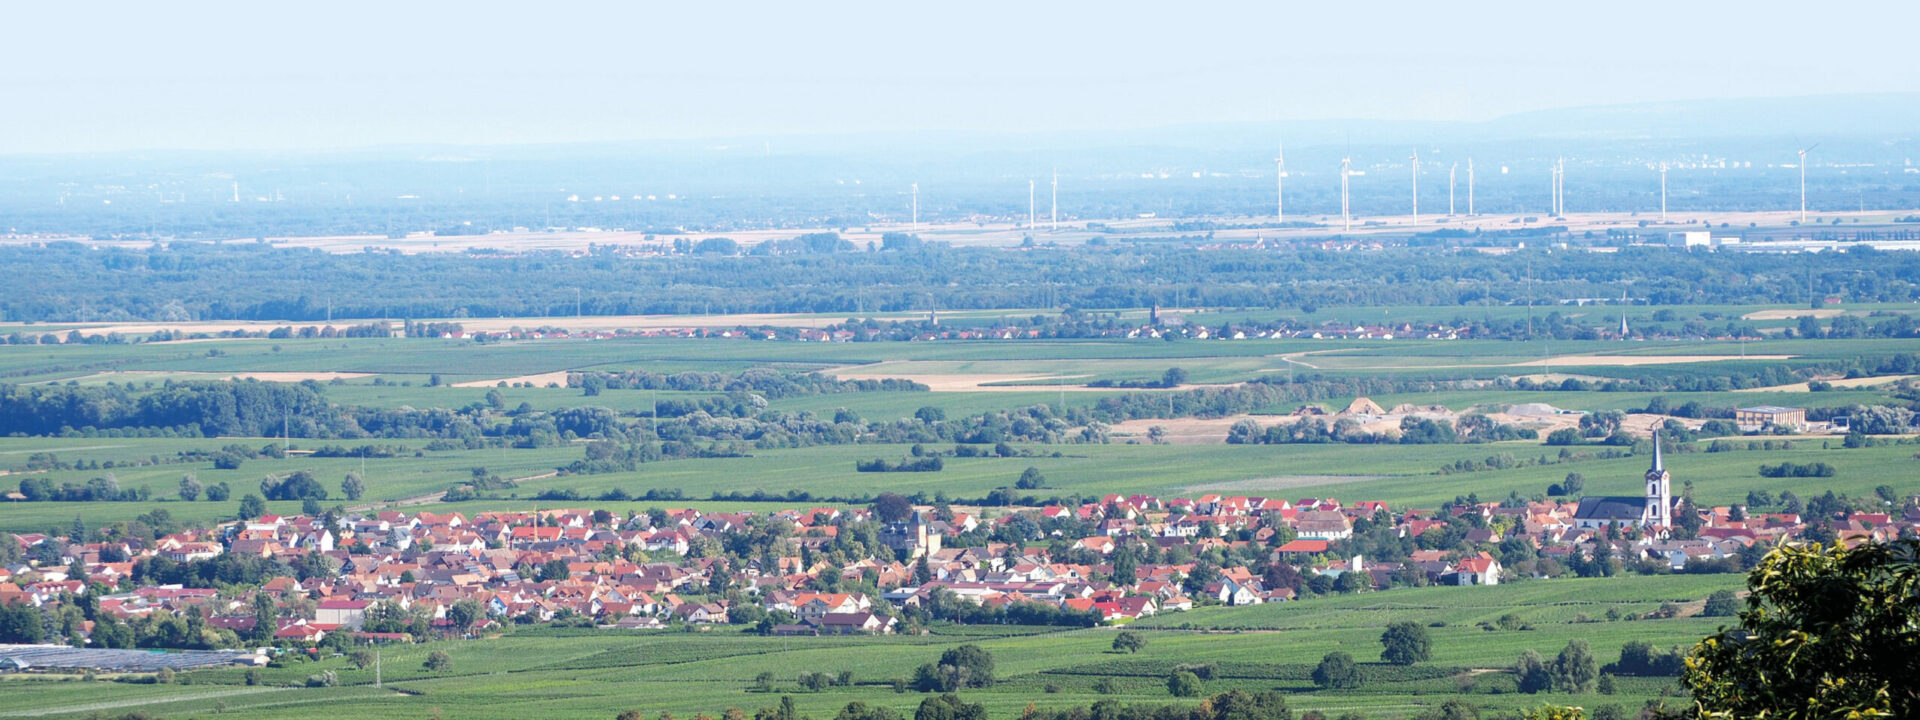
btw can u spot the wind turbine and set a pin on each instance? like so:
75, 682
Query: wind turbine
1663, 193
1803, 182
1560, 187
1053, 223
916, 207
1029, 204
1346, 213
1554, 187
1416, 186
1451, 171
1280, 185
1470, 187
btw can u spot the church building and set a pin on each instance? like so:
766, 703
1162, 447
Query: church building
1655, 509
913, 537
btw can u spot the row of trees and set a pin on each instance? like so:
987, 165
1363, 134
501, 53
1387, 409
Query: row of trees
204, 282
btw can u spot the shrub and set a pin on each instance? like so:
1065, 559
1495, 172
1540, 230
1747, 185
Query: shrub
1337, 670
1720, 604
1183, 684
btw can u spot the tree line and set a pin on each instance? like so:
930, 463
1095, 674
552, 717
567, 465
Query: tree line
194, 281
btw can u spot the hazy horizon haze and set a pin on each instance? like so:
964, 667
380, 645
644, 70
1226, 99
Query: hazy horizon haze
225, 76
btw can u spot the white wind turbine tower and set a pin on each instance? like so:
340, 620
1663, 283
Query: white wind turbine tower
1469, 187
1451, 181
1560, 187
1803, 182
1280, 185
1663, 193
1053, 221
1416, 186
1029, 205
916, 207
1346, 213
1553, 174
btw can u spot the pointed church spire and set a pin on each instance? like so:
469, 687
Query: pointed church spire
1658, 467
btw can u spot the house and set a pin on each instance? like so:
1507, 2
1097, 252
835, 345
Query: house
701, 612
1323, 525
811, 606
1102, 544
187, 551
301, 632
1479, 570
635, 622
345, 613
1300, 548
861, 623
1233, 593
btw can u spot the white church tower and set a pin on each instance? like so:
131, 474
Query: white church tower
1659, 490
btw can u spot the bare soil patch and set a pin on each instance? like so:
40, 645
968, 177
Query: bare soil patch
1637, 360
1279, 482
1190, 431
1839, 383
558, 377
1791, 313
959, 382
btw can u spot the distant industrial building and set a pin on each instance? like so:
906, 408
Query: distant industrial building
1691, 239
1765, 416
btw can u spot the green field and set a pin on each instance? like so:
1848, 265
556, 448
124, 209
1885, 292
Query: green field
538, 672
580, 673
1405, 476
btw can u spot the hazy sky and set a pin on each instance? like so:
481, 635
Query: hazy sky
80, 76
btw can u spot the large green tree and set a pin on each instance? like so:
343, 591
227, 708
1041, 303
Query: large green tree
967, 666
1405, 643
1530, 672
1828, 632
1575, 670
